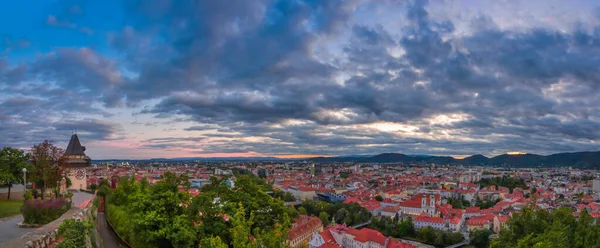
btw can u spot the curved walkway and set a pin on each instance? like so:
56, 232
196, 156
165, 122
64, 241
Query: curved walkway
108, 236
9, 226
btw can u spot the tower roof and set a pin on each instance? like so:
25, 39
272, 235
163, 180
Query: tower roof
75, 147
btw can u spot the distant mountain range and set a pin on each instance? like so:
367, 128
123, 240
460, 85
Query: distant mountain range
576, 159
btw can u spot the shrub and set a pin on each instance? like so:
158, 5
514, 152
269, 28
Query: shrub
93, 187
74, 233
28, 195
44, 211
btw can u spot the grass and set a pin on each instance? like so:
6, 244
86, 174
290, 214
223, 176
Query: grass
10, 208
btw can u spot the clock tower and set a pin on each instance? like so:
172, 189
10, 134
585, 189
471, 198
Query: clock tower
76, 163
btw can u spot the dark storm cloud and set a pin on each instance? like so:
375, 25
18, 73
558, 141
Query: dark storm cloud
496, 77
239, 69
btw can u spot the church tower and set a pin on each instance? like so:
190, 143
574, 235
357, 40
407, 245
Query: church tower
424, 201
432, 200
76, 163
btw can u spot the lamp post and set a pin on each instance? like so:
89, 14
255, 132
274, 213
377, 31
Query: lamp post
24, 180
25, 177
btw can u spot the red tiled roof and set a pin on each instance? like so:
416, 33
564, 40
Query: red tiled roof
370, 205
454, 220
303, 224
398, 244
503, 219
415, 201
303, 188
477, 221
390, 209
425, 218
366, 234
473, 210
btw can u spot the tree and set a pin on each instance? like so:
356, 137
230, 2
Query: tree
406, 228
324, 217
543, 229
241, 229
340, 215
47, 161
480, 238
212, 242
12, 162
302, 210
262, 173
378, 198
427, 234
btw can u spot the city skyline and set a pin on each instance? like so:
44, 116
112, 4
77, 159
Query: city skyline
164, 79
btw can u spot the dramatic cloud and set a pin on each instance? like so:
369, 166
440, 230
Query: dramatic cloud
274, 77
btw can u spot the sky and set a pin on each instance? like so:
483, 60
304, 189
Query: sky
300, 78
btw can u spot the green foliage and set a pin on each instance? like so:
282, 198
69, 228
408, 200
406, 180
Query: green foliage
262, 173
406, 228
378, 198
93, 187
47, 161
344, 174
486, 204
160, 215
349, 214
508, 182
12, 162
212, 242
241, 229
480, 238
324, 217
28, 195
301, 210
458, 203
427, 234
74, 233
284, 196
543, 229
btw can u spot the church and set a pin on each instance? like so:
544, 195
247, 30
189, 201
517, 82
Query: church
76, 163
421, 203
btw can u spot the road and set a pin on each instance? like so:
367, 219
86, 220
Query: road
9, 226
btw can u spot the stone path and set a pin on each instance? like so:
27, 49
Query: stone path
9, 229
108, 236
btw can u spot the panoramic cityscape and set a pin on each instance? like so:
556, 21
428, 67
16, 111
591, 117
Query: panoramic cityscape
300, 123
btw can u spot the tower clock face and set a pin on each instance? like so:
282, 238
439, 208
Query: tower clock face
79, 174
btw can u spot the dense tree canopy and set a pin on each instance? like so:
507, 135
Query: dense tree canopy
540, 228
508, 182
349, 214
458, 203
161, 215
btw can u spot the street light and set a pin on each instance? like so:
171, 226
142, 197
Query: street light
25, 178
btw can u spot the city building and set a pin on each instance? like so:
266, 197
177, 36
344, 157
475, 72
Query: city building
347, 237
420, 203
303, 229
